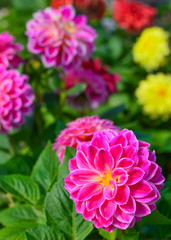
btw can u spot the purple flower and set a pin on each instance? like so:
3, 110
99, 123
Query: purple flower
96, 91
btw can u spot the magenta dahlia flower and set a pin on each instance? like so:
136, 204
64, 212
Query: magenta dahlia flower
114, 180
60, 37
9, 51
96, 91
79, 131
16, 99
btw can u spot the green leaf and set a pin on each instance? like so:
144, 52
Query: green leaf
18, 164
52, 101
63, 168
19, 215
12, 233
44, 232
107, 235
130, 236
15, 232
60, 211
116, 47
78, 88
29, 4
22, 187
114, 112
155, 218
5, 149
46, 168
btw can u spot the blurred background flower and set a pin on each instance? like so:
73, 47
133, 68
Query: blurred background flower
60, 37
151, 48
154, 94
99, 84
93, 9
16, 99
9, 51
95, 93
80, 130
132, 15
96, 66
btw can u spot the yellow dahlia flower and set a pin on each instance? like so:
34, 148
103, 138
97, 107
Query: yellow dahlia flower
151, 48
154, 94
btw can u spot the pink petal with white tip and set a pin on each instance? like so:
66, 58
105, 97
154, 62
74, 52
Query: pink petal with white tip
107, 209
122, 195
142, 209
89, 190
140, 189
103, 161
135, 174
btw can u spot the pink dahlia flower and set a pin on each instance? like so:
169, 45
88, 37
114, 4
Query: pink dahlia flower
114, 180
79, 131
9, 51
60, 37
16, 99
96, 91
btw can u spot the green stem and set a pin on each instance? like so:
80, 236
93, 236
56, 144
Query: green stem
62, 97
11, 141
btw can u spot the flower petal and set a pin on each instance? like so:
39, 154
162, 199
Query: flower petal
104, 161
120, 176
119, 224
142, 209
81, 177
118, 140
99, 142
109, 191
130, 152
122, 195
140, 189
92, 150
104, 221
122, 216
134, 175
125, 163
88, 215
116, 152
82, 160
107, 209
73, 164
89, 190
95, 202
129, 207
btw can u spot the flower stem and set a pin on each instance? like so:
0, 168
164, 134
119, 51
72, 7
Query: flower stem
62, 96
11, 141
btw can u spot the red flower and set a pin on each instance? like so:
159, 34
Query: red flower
133, 16
59, 3
96, 66
93, 9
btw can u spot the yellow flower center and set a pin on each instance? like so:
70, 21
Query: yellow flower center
162, 92
106, 178
70, 27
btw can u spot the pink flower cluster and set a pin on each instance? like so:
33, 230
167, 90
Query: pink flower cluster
114, 180
79, 131
60, 37
16, 99
9, 51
